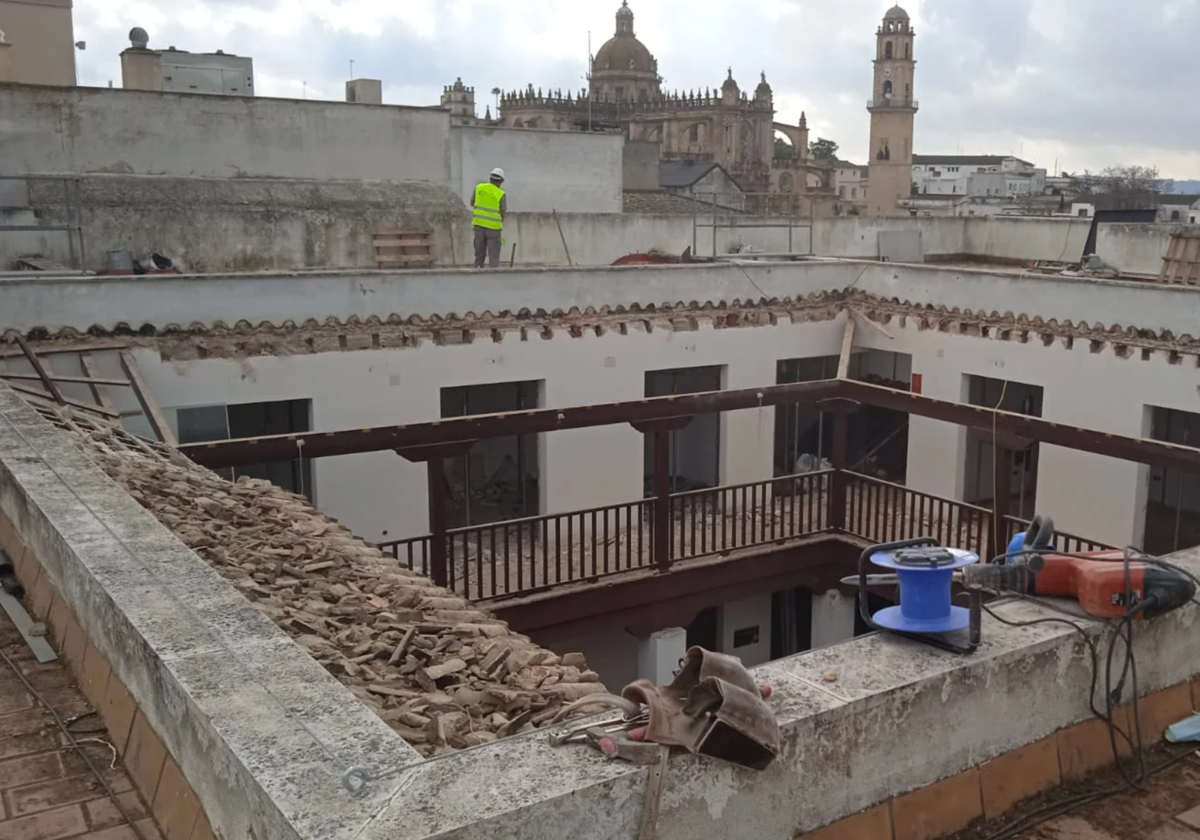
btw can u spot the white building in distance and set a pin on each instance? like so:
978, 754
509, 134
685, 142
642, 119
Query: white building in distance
977, 176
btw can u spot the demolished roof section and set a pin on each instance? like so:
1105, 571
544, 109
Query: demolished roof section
442, 673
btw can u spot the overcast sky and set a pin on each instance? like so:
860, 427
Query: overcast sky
1086, 83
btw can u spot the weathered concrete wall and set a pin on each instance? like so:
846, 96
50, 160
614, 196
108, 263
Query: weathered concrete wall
81, 130
218, 225
1017, 238
237, 224
640, 165
243, 224
260, 732
1136, 248
545, 170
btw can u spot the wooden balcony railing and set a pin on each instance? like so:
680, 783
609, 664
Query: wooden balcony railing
520, 557
879, 511
721, 520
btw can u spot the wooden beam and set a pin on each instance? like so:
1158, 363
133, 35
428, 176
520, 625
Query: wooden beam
345, 442
88, 366
843, 371
25, 390
42, 373
863, 320
80, 380
157, 422
234, 453
983, 418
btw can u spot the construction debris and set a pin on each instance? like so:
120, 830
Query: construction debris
442, 673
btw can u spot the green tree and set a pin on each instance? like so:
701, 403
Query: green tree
783, 149
822, 149
1123, 187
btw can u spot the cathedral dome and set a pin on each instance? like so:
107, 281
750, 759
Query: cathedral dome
896, 13
624, 52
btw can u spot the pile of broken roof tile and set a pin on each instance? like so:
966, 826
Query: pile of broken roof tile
444, 674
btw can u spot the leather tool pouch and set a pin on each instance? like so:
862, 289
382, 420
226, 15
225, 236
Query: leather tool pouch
714, 708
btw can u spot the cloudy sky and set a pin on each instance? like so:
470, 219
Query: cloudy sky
1086, 83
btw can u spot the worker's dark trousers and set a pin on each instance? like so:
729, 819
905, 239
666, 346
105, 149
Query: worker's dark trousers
487, 246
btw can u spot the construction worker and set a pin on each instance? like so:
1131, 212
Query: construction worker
491, 206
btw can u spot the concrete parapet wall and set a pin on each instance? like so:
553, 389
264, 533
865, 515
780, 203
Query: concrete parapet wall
55, 304
863, 723
243, 224
89, 130
214, 699
565, 171
252, 224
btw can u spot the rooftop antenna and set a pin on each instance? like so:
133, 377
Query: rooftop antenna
352, 69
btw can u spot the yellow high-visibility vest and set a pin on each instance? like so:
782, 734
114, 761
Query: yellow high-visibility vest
487, 206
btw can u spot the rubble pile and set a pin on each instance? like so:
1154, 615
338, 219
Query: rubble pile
444, 674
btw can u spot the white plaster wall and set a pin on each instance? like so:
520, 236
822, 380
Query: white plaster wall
581, 468
832, 618
740, 615
1089, 495
612, 655
47, 129
565, 171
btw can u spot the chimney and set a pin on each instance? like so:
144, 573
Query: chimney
365, 91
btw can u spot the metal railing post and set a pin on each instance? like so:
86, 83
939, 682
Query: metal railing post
662, 500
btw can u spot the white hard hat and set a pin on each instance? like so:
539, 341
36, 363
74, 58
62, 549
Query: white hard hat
498, 173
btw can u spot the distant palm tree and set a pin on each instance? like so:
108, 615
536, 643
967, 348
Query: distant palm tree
496, 93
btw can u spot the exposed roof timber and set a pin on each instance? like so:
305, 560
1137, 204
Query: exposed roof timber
1007, 425
232, 453
843, 371
1015, 425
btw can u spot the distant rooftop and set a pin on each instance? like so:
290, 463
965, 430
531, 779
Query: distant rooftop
966, 160
678, 174
1186, 200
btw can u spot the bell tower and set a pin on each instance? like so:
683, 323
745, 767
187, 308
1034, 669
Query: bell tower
893, 109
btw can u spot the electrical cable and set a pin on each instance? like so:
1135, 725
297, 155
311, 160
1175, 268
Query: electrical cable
1122, 631
1057, 809
75, 744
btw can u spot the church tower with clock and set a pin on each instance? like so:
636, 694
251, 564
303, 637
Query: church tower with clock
893, 111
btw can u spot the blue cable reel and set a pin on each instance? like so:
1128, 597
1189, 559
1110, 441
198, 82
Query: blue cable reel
924, 571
